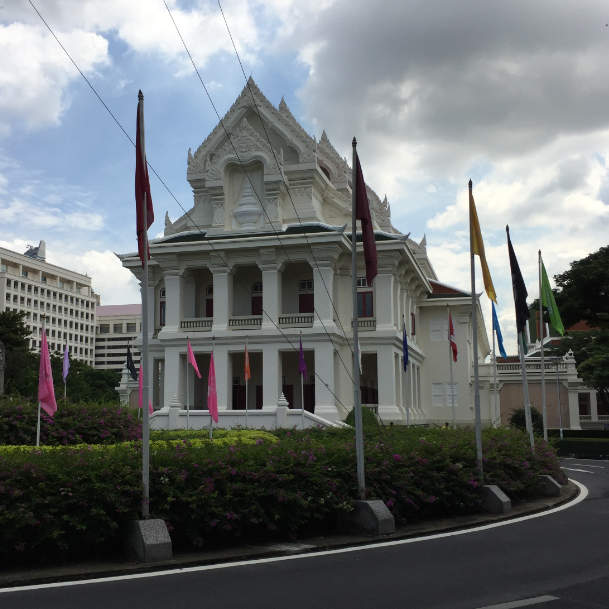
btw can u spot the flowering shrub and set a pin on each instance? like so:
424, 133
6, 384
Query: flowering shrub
247, 485
71, 424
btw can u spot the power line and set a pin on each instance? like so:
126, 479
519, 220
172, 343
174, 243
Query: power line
247, 175
120, 126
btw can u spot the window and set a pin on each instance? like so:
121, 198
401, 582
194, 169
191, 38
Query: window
442, 394
43, 278
438, 329
584, 404
305, 285
131, 328
362, 282
24, 273
412, 324
103, 328
162, 310
257, 287
3, 268
365, 306
116, 328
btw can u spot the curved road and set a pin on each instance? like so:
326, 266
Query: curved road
556, 561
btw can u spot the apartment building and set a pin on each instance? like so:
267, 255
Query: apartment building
118, 326
64, 297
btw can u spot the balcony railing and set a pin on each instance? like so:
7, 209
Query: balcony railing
366, 324
246, 322
196, 324
296, 320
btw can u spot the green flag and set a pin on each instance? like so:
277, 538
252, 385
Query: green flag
547, 299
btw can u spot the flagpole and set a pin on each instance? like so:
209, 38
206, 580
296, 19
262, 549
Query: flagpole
450, 364
211, 419
543, 368
246, 384
357, 408
478, 421
43, 318
187, 392
495, 394
525, 391
302, 423
558, 396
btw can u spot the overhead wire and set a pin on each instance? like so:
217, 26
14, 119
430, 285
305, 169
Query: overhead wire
120, 126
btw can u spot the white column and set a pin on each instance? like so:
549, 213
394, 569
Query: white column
270, 377
388, 409
325, 402
593, 406
171, 384
271, 295
173, 293
383, 292
222, 298
323, 294
573, 409
221, 365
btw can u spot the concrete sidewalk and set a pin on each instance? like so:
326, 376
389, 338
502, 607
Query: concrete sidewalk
87, 570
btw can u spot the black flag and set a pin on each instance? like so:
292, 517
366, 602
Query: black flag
131, 365
519, 289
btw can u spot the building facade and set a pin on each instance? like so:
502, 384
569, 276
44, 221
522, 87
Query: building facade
264, 258
28, 283
117, 327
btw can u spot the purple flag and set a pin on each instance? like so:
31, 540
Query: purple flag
302, 366
66, 364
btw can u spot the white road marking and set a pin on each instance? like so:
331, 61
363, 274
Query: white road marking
583, 493
525, 602
574, 469
587, 465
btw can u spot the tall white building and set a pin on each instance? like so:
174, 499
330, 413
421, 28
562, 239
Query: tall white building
117, 327
29, 283
264, 257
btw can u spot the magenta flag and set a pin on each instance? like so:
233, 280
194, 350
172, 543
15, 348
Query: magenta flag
140, 379
212, 395
302, 366
66, 364
46, 391
192, 360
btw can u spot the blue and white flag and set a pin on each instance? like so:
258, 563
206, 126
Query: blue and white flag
497, 331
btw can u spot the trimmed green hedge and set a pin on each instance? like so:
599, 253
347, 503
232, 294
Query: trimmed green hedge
583, 448
71, 424
60, 503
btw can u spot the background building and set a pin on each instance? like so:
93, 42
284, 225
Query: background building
117, 326
29, 283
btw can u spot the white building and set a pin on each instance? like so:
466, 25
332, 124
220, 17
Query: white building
117, 327
29, 283
264, 256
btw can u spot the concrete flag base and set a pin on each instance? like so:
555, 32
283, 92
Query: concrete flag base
371, 517
547, 486
149, 541
494, 500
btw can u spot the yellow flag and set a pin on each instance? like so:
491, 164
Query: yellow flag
477, 246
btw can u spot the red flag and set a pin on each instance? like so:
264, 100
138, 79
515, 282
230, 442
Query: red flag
46, 391
451, 337
192, 360
362, 213
246, 368
212, 395
142, 185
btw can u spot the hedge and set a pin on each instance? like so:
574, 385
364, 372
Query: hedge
65, 502
583, 448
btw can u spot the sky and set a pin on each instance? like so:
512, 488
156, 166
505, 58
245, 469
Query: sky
513, 95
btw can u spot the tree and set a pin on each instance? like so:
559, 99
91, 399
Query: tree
518, 420
85, 384
584, 290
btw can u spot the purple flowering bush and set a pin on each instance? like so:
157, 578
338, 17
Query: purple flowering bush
71, 424
69, 501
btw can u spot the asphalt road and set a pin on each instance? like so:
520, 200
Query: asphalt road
556, 561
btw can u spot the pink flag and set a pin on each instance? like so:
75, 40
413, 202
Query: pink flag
212, 395
46, 391
192, 360
140, 400
451, 337
362, 213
